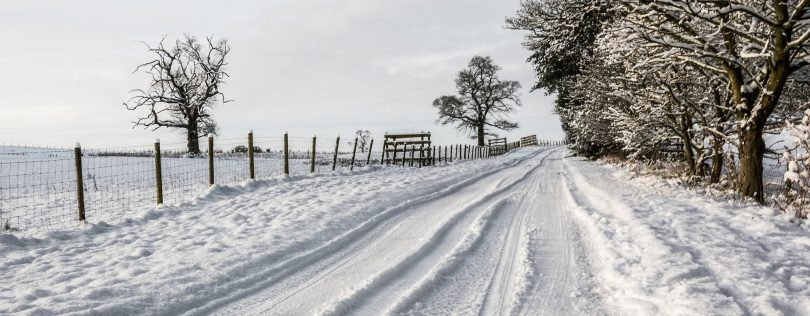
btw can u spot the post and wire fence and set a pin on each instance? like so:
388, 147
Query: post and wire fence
54, 189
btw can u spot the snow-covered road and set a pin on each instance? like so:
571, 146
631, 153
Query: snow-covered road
533, 232
469, 248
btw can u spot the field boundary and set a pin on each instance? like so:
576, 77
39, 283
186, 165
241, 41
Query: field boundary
39, 187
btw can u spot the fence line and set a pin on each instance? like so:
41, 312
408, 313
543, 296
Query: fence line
53, 189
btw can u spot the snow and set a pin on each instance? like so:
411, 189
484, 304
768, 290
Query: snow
532, 232
689, 254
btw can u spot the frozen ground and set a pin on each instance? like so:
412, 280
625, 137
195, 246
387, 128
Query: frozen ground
534, 232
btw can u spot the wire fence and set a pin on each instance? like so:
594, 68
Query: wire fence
773, 176
39, 186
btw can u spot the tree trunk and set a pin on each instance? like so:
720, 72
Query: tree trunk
752, 149
193, 137
481, 135
686, 137
717, 158
689, 155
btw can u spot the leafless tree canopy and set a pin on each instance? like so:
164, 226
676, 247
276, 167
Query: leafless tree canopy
184, 88
482, 102
363, 137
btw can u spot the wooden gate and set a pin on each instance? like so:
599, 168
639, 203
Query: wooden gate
530, 140
497, 146
407, 149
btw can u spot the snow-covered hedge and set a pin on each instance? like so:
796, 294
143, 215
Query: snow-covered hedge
797, 176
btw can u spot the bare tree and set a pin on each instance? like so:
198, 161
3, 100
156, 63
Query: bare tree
482, 102
184, 88
363, 137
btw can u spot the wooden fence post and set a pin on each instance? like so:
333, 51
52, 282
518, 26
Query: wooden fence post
210, 159
404, 154
250, 156
286, 154
312, 159
354, 153
384, 153
413, 151
445, 153
395, 155
77, 154
370, 146
158, 173
334, 160
433, 157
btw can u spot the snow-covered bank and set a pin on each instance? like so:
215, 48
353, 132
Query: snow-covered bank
533, 232
217, 247
659, 249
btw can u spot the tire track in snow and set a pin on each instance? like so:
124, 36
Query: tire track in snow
541, 240
523, 264
502, 284
627, 246
421, 282
376, 286
502, 262
337, 250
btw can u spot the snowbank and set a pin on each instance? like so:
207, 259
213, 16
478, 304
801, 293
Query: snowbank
659, 249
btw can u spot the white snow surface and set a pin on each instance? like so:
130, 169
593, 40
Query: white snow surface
534, 232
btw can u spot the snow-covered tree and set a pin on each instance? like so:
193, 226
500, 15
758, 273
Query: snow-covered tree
560, 35
798, 172
707, 72
756, 45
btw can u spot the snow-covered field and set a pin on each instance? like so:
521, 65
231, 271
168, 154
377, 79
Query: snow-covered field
38, 186
533, 232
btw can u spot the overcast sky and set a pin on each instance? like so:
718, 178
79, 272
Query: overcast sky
328, 67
